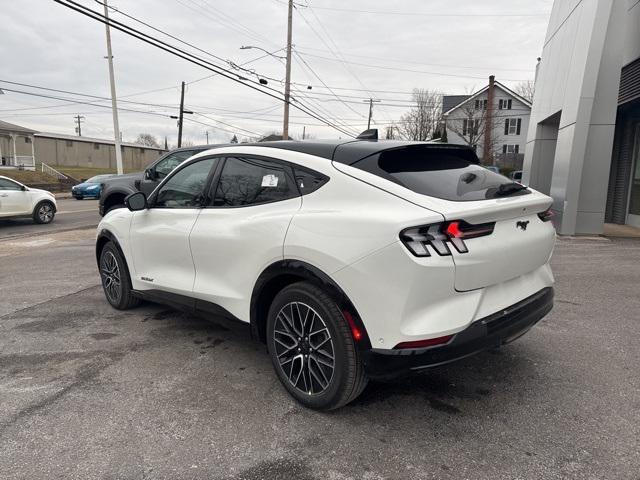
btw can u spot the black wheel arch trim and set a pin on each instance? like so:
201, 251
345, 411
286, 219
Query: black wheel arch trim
284, 272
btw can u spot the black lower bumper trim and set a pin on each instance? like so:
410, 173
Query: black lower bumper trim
492, 331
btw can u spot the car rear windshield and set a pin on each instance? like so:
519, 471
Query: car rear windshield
447, 173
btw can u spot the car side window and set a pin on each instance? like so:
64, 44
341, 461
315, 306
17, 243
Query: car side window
165, 166
250, 181
186, 188
309, 180
9, 185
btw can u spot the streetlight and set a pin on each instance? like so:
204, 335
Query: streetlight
271, 54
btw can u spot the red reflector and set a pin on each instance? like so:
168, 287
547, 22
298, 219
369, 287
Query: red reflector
355, 331
453, 229
430, 342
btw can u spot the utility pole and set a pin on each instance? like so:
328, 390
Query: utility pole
287, 85
371, 100
79, 119
207, 134
181, 114
304, 130
114, 103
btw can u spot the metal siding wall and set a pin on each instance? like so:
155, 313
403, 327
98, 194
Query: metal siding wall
630, 82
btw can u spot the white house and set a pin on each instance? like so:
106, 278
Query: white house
584, 139
493, 120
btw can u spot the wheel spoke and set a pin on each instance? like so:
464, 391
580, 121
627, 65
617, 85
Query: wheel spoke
323, 361
324, 382
316, 347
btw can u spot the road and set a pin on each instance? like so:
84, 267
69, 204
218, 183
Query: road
90, 392
72, 214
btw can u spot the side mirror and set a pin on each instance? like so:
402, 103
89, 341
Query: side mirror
149, 174
136, 202
23, 188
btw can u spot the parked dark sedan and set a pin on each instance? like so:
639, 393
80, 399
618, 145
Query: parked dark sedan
91, 188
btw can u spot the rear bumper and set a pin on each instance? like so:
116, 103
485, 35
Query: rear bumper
492, 331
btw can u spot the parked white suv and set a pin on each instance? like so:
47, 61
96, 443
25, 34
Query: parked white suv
18, 200
350, 259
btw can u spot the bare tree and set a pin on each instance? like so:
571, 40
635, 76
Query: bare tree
423, 118
147, 140
472, 124
525, 89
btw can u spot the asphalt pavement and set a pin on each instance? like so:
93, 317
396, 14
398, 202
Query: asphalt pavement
72, 214
90, 392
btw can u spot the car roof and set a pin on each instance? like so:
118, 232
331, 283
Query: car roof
348, 151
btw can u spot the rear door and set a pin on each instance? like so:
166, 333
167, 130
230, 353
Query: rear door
450, 182
243, 230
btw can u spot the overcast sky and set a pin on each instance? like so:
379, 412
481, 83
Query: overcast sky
357, 48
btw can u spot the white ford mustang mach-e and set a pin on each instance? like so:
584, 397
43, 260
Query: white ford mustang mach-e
350, 259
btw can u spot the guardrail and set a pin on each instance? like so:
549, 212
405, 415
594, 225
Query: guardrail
47, 170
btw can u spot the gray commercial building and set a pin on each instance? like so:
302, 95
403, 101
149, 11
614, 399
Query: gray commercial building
584, 136
21, 147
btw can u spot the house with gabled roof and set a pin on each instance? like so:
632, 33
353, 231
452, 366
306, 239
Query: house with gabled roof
494, 121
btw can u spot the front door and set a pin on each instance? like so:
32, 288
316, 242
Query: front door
13, 200
160, 234
163, 168
634, 195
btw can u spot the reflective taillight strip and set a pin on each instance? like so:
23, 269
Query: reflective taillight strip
439, 235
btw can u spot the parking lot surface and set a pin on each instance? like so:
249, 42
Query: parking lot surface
90, 392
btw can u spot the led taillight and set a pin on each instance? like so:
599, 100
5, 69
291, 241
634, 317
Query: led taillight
440, 235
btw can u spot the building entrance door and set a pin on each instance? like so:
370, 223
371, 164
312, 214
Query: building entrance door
633, 218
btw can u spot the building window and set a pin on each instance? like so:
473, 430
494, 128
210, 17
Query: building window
511, 148
481, 104
96, 146
69, 143
512, 126
27, 139
504, 104
470, 126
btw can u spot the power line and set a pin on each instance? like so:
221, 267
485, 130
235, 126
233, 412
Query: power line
423, 72
184, 55
413, 13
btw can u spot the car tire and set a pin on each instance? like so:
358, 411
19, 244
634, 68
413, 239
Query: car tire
78, 198
115, 207
114, 276
44, 212
302, 351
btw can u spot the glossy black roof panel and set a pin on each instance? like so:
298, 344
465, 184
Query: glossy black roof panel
350, 151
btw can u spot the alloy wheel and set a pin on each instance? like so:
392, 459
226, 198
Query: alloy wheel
304, 348
110, 273
45, 213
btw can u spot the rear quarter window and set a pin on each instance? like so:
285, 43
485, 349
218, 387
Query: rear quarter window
447, 173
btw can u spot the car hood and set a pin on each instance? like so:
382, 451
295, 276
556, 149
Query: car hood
125, 178
39, 190
86, 185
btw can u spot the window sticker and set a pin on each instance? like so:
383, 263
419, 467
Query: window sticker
270, 180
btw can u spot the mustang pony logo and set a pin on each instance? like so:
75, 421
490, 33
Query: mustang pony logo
522, 224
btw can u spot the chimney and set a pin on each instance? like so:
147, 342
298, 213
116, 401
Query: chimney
488, 125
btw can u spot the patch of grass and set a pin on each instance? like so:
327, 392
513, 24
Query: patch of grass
84, 173
27, 177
